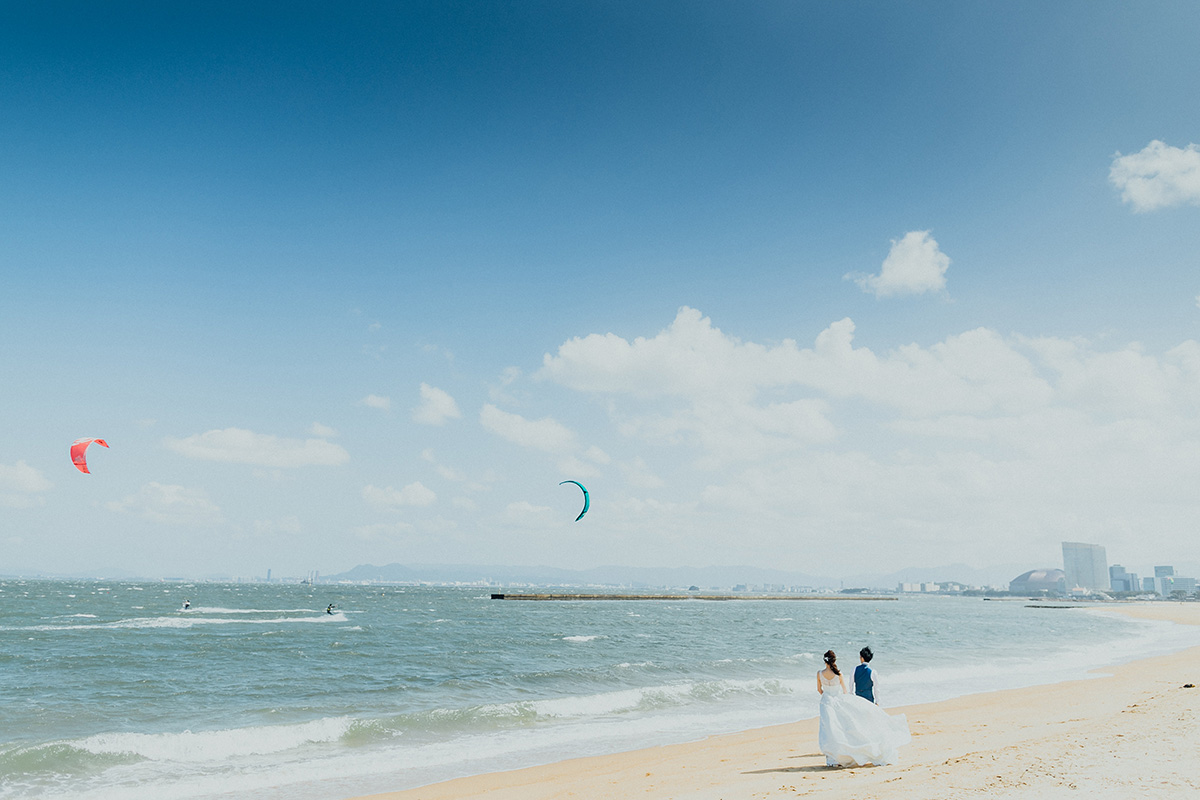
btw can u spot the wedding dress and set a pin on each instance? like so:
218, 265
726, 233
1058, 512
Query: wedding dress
854, 731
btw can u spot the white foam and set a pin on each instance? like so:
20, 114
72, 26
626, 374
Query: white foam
188, 621
580, 638
220, 610
205, 746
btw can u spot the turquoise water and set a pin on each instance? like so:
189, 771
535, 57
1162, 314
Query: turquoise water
110, 690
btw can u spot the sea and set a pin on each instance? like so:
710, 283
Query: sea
115, 690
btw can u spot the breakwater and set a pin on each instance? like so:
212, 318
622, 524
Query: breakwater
685, 597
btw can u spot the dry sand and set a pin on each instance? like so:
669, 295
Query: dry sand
1132, 733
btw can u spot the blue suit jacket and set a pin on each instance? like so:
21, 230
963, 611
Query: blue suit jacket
864, 682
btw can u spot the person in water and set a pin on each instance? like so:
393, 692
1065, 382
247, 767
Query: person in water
187, 604
329, 610
864, 676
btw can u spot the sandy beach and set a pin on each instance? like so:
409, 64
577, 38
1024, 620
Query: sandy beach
1131, 731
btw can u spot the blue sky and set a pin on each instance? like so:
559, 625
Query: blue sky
325, 277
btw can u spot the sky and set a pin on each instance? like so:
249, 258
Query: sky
828, 287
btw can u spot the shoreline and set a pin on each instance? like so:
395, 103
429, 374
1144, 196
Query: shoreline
1131, 728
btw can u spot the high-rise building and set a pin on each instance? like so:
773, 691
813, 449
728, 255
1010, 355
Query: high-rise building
1122, 581
1085, 565
1164, 579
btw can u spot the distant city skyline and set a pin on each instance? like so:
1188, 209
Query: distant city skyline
831, 288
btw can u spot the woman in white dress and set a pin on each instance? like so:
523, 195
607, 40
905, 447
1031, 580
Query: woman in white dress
854, 731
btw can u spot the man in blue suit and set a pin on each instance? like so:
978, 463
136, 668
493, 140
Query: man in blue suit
864, 676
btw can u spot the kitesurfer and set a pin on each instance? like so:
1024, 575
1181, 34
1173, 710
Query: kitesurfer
329, 610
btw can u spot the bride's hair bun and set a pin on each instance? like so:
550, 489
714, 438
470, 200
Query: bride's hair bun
831, 660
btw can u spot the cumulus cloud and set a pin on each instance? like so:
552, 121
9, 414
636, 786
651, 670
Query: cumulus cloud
22, 486
694, 385
914, 265
322, 431
915, 448
1158, 176
169, 504
240, 446
546, 434
716, 376
414, 494
436, 406
712, 384
377, 401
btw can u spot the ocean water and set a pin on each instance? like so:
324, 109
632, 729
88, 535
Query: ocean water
111, 690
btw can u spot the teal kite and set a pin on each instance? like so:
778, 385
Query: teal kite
586, 501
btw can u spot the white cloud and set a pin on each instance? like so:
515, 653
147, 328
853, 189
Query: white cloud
436, 406
21, 486
377, 401
596, 455
169, 504
240, 446
639, 475
914, 265
1003, 442
449, 473
547, 434
711, 383
577, 468
321, 431
720, 379
1158, 176
525, 508
499, 391
414, 494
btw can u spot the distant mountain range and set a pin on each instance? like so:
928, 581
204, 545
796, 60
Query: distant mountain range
633, 577
668, 577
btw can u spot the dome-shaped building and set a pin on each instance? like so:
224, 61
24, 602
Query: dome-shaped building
1037, 581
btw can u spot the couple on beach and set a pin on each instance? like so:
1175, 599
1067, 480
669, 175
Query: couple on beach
854, 730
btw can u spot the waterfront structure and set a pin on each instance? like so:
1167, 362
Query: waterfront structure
1085, 565
1039, 581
